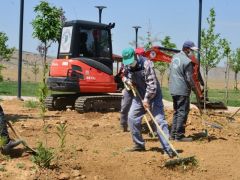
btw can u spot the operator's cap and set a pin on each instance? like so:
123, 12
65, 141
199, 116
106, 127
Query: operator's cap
128, 56
190, 44
140, 51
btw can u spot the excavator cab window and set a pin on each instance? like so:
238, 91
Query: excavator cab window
94, 43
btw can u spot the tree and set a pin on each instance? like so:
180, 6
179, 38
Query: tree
235, 66
5, 52
211, 49
35, 69
163, 66
46, 27
226, 53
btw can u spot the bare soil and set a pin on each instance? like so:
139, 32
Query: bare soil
95, 148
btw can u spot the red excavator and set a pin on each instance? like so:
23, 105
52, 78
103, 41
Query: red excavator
83, 70
162, 54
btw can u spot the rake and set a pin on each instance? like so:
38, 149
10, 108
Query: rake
24, 143
172, 162
231, 118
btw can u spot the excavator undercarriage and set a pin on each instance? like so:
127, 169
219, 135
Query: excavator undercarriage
82, 104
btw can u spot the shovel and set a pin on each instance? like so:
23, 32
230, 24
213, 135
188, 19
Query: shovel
171, 162
204, 122
24, 143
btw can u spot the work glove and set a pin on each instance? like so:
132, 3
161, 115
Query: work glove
145, 105
128, 84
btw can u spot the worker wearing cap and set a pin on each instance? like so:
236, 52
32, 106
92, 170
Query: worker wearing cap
142, 75
180, 85
127, 95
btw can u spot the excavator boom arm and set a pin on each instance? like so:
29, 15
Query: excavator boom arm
161, 54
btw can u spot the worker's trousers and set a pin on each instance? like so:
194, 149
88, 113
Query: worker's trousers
181, 106
125, 107
136, 114
3, 126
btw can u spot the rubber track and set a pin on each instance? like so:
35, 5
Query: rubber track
98, 103
49, 103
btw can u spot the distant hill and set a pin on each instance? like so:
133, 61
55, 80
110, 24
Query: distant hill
28, 60
216, 75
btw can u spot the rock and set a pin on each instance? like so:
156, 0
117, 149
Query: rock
63, 122
64, 176
3, 163
79, 149
95, 125
83, 176
75, 173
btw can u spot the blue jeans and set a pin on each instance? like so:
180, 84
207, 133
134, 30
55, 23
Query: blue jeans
125, 107
135, 117
181, 105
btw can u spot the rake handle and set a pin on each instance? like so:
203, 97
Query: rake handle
201, 114
235, 113
145, 118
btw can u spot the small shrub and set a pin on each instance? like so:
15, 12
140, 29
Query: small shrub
31, 104
61, 133
3, 141
20, 165
43, 156
2, 168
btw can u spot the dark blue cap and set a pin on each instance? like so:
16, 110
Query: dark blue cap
189, 44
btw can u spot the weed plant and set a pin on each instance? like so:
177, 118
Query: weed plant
43, 156
3, 141
61, 133
31, 104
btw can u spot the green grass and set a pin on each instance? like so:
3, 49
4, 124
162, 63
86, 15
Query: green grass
213, 95
10, 88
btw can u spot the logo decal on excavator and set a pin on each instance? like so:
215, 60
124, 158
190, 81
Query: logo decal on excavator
90, 78
152, 54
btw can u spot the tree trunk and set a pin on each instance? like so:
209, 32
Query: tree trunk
226, 81
161, 79
235, 80
205, 87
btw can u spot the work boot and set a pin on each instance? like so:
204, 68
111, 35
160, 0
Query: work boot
136, 148
10, 145
184, 139
124, 128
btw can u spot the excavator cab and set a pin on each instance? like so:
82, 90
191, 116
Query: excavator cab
88, 40
83, 69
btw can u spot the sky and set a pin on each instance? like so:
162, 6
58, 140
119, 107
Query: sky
175, 18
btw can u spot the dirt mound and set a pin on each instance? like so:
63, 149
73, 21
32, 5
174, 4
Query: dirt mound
95, 148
